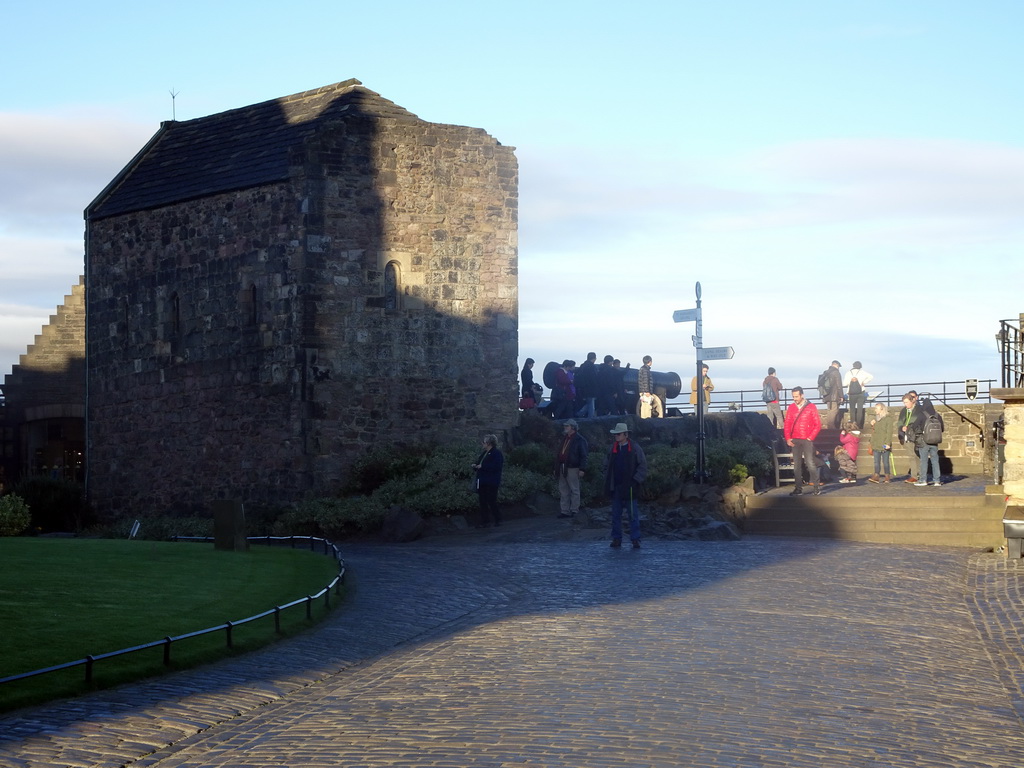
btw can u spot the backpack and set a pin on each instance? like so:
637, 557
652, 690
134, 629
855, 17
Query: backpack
768, 394
933, 430
855, 387
824, 383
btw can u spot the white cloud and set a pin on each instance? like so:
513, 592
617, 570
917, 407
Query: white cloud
52, 166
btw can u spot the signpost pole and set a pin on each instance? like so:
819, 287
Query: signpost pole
712, 353
700, 473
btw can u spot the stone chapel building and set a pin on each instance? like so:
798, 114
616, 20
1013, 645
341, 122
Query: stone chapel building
275, 290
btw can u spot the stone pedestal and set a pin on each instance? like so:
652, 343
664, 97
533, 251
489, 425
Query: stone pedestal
1013, 419
229, 526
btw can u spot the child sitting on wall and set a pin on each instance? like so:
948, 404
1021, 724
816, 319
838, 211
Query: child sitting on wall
846, 453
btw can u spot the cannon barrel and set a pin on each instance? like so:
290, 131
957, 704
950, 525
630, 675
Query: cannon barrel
668, 381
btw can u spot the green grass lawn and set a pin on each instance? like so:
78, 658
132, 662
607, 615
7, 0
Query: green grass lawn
64, 599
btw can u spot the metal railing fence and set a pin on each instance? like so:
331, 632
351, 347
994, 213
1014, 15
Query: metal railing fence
335, 584
890, 394
1010, 343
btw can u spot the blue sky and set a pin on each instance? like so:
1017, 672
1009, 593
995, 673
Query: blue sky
845, 180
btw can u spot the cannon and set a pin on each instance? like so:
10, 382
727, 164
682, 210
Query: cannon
660, 380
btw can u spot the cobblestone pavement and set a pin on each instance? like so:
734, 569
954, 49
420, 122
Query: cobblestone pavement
532, 649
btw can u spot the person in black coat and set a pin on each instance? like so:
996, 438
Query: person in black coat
488, 477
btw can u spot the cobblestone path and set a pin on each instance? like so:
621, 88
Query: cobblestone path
762, 652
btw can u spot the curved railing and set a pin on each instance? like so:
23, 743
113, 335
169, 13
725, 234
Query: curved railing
335, 584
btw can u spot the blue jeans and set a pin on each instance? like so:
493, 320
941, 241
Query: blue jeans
883, 462
929, 452
589, 409
618, 502
803, 454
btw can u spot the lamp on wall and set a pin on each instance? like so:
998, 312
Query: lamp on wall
1001, 341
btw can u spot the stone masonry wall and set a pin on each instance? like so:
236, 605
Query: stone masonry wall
51, 373
194, 346
246, 345
440, 364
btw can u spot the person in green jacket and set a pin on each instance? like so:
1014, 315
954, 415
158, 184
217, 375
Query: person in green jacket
882, 428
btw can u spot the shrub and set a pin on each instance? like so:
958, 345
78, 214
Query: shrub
731, 461
331, 518
440, 486
375, 468
534, 457
14, 515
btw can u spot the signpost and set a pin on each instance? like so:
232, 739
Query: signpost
709, 353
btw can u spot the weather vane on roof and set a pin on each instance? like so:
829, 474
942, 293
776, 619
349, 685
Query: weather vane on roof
174, 93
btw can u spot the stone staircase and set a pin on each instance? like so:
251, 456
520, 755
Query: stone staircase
954, 515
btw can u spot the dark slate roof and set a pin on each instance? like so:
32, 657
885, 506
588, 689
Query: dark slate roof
237, 149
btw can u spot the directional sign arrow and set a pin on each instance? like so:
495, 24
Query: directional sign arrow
715, 353
685, 315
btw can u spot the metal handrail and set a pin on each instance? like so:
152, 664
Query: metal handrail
963, 417
1010, 343
226, 627
750, 399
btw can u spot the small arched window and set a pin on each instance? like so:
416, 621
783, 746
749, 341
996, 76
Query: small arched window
175, 314
392, 285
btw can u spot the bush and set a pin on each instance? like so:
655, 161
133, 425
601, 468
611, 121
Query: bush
331, 518
440, 486
534, 457
14, 515
380, 465
732, 461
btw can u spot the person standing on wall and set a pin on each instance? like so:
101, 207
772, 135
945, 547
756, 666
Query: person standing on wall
803, 423
570, 465
706, 386
606, 386
488, 477
529, 391
830, 388
586, 388
648, 404
771, 388
855, 383
625, 471
564, 392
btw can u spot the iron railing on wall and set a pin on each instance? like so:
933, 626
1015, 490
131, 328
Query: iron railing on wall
1010, 343
890, 394
227, 627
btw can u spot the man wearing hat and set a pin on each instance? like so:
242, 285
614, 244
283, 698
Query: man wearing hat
570, 464
626, 470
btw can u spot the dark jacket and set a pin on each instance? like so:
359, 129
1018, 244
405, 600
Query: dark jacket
835, 391
575, 456
586, 380
491, 463
913, 421
626, 468
526, 375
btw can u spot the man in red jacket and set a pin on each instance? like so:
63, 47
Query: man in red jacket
803, 423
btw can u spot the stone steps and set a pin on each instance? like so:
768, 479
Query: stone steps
930, 517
